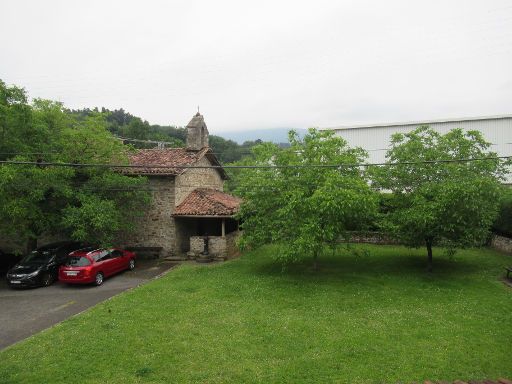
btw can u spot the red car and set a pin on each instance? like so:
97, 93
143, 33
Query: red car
92, 266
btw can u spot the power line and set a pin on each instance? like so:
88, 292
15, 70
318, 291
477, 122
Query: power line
295, 166
244, 151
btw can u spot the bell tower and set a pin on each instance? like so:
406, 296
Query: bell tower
197, 133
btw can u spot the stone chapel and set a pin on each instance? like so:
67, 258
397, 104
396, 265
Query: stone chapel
188, 204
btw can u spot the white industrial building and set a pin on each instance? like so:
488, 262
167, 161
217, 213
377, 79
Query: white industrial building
376, 138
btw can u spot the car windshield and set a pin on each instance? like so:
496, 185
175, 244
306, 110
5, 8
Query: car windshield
37, 257
77, 261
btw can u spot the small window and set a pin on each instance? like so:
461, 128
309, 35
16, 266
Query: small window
101, 256
77, 261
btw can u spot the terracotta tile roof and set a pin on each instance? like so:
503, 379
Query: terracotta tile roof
169, 157
208, 202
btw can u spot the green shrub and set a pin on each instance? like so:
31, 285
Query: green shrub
503, 224
386, 203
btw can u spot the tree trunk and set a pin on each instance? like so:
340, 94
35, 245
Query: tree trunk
429, 254
315, 261
31, 244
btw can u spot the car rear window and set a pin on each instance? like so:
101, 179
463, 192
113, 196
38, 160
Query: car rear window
78, 261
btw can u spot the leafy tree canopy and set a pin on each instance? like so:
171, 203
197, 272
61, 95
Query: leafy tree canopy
303, 207
452, 204
91, 204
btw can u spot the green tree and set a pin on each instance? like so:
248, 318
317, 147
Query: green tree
32, 199
90, 204
137, 129
15, 121
229, 151
106, 205
452, 203
299, 205
226, 150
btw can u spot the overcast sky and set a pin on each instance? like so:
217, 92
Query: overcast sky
264, 64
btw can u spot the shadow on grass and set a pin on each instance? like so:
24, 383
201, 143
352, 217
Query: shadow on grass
391, 262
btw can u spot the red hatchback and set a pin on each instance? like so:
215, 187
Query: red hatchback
92, 266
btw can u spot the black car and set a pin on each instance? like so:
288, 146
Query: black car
41, 267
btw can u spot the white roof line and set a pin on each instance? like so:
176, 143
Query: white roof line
421, 122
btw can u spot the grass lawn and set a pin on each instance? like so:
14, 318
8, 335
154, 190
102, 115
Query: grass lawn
367, 318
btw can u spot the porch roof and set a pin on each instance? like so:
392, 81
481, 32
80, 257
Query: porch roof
204, 202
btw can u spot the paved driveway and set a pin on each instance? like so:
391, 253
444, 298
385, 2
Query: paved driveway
24, 312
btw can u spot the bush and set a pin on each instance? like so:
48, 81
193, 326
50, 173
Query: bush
387, 204
503, 224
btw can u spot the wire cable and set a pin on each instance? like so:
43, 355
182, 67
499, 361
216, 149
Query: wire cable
295, 166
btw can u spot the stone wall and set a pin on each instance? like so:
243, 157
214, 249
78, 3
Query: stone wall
502, 243
194, 178
370, 238
156, 228
216, 245
219, 246
196, 244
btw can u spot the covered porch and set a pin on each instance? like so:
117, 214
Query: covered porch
216, 235
205, 225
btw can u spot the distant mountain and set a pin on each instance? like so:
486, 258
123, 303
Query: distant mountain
275, 135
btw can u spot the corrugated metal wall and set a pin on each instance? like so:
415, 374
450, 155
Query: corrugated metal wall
376, 139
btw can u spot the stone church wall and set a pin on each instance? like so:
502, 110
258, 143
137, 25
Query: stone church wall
157, 227
194, 178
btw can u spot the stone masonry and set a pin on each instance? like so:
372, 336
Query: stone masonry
197, 177
502, 243
157, 228
197, 133
218, 246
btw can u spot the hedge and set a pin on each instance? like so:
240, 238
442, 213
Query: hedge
503, 224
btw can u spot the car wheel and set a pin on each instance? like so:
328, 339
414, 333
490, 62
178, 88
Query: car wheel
131, 265
98, 280
47, 279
